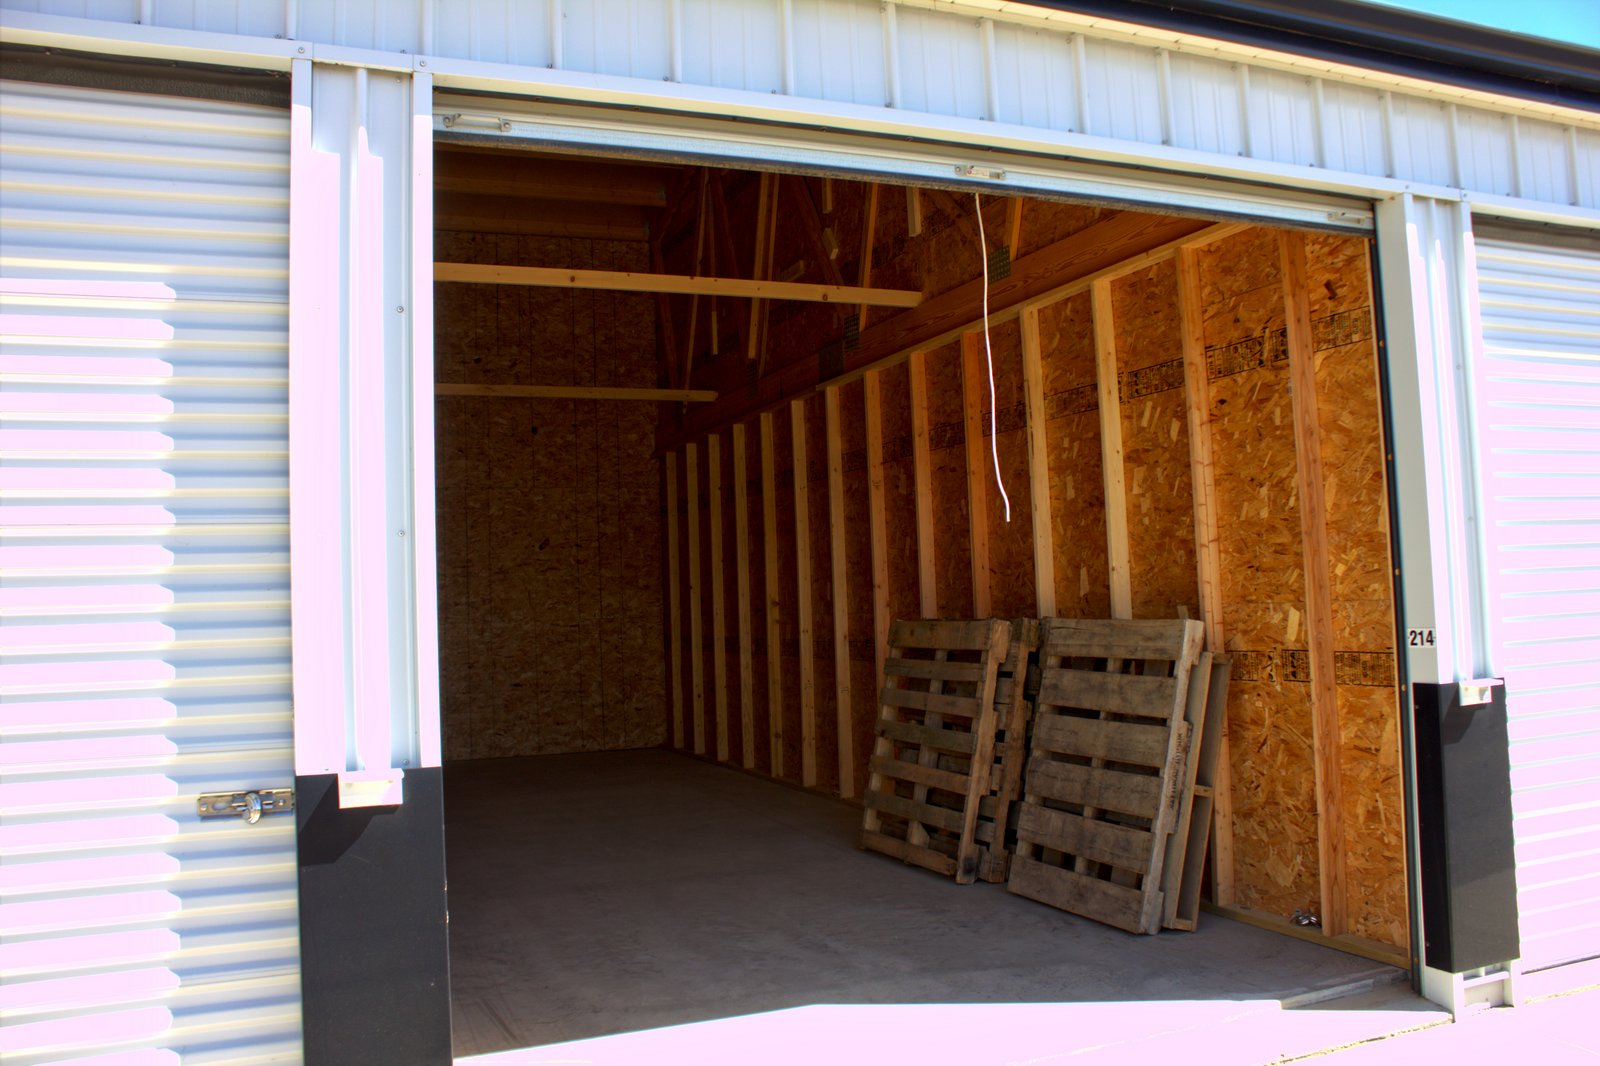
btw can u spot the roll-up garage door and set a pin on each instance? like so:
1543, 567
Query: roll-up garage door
1538, 397
145, 592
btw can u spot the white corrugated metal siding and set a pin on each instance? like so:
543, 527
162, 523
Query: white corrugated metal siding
1538, 400
145, 594
1023, 68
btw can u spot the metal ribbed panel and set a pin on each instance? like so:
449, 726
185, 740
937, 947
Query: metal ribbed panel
1539, 413
1033, 68
144, 606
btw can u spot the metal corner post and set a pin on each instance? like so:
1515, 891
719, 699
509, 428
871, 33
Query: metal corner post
1427, 288
374, 956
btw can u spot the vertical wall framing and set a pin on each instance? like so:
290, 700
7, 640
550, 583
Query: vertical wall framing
361, 428
1208, 554
741, 534
772, 582
719, 609
922, 473
697, 669
674, 598
973, 392
1111, 463
1310, 495
837, 568
802, 547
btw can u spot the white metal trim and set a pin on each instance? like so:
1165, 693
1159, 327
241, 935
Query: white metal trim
891, 122
424, 542
931, 161
361, 425
1421, 245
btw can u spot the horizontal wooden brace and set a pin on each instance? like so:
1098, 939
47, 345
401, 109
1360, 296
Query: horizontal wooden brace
628, 281
578, 392
1108, 249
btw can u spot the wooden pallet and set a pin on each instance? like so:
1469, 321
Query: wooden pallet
1014, 691
1107, 772
935, 747
1186, 852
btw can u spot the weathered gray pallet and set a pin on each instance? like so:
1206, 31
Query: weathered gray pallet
1013, 702
1108, 768
935, 743
1186, 851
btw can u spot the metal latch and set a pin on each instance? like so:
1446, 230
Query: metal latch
247, 805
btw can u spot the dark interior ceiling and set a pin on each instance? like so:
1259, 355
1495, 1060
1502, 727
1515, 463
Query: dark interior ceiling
483, 190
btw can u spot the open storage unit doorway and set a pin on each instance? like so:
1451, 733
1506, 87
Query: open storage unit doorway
683, 520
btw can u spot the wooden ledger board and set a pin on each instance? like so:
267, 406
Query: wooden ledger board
935, 743
1109, 768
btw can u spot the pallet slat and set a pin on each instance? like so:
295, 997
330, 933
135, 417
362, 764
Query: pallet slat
936, 702
928, 736
1090, 690
896, 848
926, 813
948, 780
942, 634
1100, 841
933, 670
1117, 638
1135, 795
1113, 904
1124, 742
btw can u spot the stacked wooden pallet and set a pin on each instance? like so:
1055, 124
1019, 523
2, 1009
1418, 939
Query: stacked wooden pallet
1109, 768
1071, 759
935, 743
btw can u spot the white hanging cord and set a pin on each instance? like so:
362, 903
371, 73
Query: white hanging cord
988, 349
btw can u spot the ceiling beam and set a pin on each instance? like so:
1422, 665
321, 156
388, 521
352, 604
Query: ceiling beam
547, 178
578, 392
468, 213
627, 281
1100, 247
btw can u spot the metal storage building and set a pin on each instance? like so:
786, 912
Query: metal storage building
218, 428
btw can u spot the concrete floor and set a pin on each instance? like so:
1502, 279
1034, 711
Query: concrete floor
610, 893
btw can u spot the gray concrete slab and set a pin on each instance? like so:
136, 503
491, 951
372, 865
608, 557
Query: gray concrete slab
611, 893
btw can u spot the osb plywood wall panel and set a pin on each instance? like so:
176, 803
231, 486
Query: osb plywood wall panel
952, 548
537, 498
1360, 574
1072, 432
899, 494
1010, 543
1045, 223
1155, 440
1263, 580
